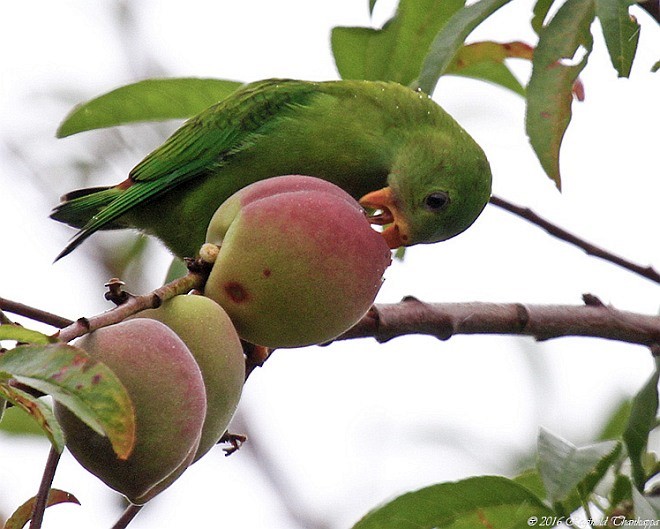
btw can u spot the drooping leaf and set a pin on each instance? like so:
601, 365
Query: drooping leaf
485, 61
450, 38
484, 501
84, 385
23, 514
541, 8
148, 100
621, 32
549, 92
563, 466
39, 411
395, 52
641, 422
22, 334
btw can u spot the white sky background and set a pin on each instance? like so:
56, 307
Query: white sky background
352, 424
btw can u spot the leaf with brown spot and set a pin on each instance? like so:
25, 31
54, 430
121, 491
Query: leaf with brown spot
485, 61
84, 385
549, 92
23, 514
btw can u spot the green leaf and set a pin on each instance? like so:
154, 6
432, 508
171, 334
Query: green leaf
641, 422
541, 8
655, 67
372, 4
621, 490
621, 32
23, 514
563, 466
450, 38
148, 100
531, 480
485, 501
21, 334
549, 92
84, 385
16, 421
176, 270
616, 423
39, 411
395, 52
485, 61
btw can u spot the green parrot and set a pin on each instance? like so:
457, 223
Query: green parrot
394, 149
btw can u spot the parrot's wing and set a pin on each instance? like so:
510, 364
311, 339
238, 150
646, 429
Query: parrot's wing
202, 145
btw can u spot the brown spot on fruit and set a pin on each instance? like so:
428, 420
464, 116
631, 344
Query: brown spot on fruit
267, 272
236, 292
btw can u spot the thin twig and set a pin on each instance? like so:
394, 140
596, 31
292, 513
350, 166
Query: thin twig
34, 314
127, 516
41, 500
133, 305
591, 249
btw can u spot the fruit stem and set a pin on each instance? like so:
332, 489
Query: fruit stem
127, 516
41, 499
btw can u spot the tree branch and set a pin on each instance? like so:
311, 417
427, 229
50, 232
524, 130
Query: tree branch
132, 305
591, 249
543, 322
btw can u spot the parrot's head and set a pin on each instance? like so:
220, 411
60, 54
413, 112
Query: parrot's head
439, 184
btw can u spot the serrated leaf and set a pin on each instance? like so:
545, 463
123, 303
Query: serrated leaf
39, 411
621, 32
485, 61
148, 100
549, 92
395, 52
621, 490
84, 385
485, 501
541, 9
641, 422
21, 334
23, 514
563, 466
450, 38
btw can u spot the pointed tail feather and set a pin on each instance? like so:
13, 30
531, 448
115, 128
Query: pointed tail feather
78, 209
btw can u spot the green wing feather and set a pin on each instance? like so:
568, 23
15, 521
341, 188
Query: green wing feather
201, 146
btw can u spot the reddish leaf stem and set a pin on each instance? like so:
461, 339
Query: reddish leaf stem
127, 516
41, 500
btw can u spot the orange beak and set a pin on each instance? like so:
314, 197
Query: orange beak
386, 213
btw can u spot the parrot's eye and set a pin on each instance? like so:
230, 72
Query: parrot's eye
437, 201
